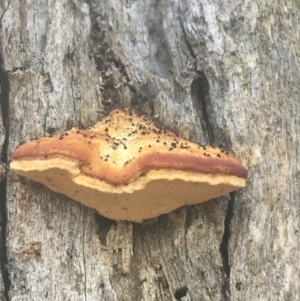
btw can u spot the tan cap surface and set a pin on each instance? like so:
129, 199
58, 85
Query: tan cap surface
127, 169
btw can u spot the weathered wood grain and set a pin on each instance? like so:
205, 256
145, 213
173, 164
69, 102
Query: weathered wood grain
215, 72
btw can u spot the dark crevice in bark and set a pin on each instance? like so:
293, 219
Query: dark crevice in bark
200, 92
5, 117
189, 46
104, 225
201, 96
4, 11
202, 87
84, 265
224, 246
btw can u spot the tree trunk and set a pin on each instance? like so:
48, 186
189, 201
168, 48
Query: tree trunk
217, 72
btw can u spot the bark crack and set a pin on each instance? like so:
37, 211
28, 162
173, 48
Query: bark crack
224, 247
204, 97
4, 157
200, 92
189, 46
84, 263
4, 11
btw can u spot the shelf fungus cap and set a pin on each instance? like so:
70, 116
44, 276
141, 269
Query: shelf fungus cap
128, 169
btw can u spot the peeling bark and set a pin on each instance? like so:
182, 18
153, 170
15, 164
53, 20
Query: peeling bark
214, 72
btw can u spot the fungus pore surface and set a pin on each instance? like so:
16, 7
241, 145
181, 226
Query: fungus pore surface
128, 169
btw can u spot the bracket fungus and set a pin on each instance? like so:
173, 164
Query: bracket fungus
128, 169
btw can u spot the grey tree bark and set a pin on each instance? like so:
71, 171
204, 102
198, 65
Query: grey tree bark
217, 72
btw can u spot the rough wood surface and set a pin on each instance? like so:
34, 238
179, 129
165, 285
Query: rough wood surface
215, 72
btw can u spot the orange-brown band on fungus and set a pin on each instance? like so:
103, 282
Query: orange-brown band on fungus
122, 175
87, 152
47, 147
